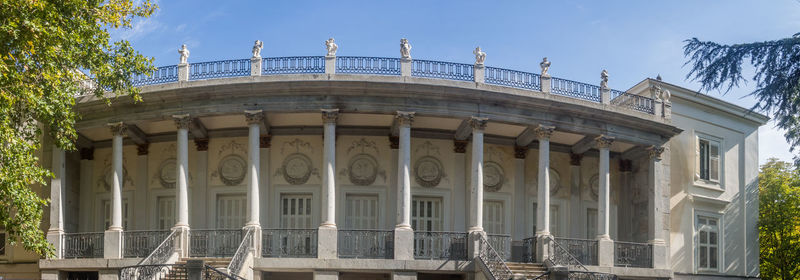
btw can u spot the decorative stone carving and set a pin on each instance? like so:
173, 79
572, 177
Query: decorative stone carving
330, 115
493, 176
232, 169
460, 146
118, 128
480, 56
594, 186
545, 65
257, 46
428, 171
254, 116
264, 141
520, 152
167, 173
405, 49
87, 153
182, 121
604, 79
555, 181
478, 123
296, 169
404, 118
184, 52
543, 132
142, 149
575, 159
201, 144
331, 46
654, 152
362, 170
603, 141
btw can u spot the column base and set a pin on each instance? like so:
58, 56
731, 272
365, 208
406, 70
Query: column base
55, 237
327, 242
474, 243
605, 252
182, 240
660, 256
112, 244
403, 243
543, 246
256, 239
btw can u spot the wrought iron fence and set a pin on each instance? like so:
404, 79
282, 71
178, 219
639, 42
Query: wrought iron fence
237, 262
172, 272
293, 65
82, 245
440, 245
629, 254
162, 75
219, 69
559, 255
591, 275
585, 250
366, 244
493, 261
529, 250
632, 101
153, 266
575, 89
442, 70
214, 242
289, 243
367, 65
139, 243
501, 243
513, 78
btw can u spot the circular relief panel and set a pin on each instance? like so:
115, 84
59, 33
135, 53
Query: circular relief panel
296, 169
108, 179
363, 170
555, 181
428, 171
232, 169
493, 176
594, 185
167, 173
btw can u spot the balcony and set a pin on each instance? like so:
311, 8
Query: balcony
82, 245
289, 243
204, 243
583, 250
502, 244
440, 245
629, 254
140, 243
366, 244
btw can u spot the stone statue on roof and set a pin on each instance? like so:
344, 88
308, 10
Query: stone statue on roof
184, 52
331, 46
604, 79
405, 49
480, 56
257, 46
545, 64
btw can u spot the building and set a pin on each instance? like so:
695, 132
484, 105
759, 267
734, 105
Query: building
332, 167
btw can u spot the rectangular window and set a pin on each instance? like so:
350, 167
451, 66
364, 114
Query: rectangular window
296, 211
494, 217
231, 211
426, 214
553, 219
107, 213
707, 243
708, 162
166, 212
361, 212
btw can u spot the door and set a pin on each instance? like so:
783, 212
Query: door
166, 212
361, 211
295, 214
494, 217
426, 217
231, 211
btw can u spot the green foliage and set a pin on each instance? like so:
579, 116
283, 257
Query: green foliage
777, 76
49, 50
779, 220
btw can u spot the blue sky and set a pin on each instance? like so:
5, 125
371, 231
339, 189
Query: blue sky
631, 39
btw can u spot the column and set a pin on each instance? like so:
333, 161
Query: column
576, 225
265, 146
543, 133
460, 199
327, 235
520, 193
200, 186
254, 119
392, 204
655, 207
85, 209
476, 186
56, 201
113, 235
403, 234
181, 184
605, 246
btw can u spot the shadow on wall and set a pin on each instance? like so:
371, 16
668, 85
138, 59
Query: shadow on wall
732, 235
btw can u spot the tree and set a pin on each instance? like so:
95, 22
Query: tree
49, 49
779, 220
777, 76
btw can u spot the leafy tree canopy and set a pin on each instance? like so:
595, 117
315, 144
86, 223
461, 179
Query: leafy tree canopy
777, 76
779, 220
49, 50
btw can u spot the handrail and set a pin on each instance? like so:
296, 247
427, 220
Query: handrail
552, 258
237, 262
143, 269
221, 273
493, 261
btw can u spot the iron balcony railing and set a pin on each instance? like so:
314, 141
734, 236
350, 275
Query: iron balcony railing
139, 243
493, 261
293, 65
501, 243
219, 69
172, 272
367, 65
584, 250
442, 70
575, 89
512, 78
162, 75
82, 245
289, 243
529, 250
440, 245
239, 258
214, 242
632, 101
366, 244
630, 254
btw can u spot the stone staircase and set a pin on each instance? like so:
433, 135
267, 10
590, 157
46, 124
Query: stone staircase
529, 270
180, 274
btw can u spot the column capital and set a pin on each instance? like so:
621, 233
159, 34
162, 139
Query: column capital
654, 152
265, 141
404, 118
142, 149
460, 146
520, 152
182, 121
478, 123
603, 141
575, 159
201, 144
254, 116
118, 128
543, 132
330, 115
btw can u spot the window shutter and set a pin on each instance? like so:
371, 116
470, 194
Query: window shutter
713, 161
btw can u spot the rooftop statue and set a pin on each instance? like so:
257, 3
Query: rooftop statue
604, 79
405, 49
257, 46
184, 54
545, 64
331, 46
480, 56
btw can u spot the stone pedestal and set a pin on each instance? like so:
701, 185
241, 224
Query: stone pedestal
658, 108
255, 66
182, 241
474, 243
183, 72
605, 252
112, 244
403, 244
327, 241
543, 245
605, 95
330, 64
194, 269
667, 111
545, 82
479, 73
660, 256
55, 237
404, 275
326, 275
405, 67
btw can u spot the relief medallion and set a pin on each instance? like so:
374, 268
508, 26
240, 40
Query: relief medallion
428, 171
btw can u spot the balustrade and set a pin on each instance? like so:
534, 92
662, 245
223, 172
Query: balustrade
367, 244
439, 245
82, 245
172, 272
239, 258
367, 65
219, 69
493, 261
629, 254
289, 243
140, 243
442, 70
214, 242
293, 65
501, 243
632, 101
513, 78
575, 89
584, 250
162, 75
529, 250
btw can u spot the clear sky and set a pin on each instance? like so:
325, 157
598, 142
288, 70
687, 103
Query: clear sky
633, 40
